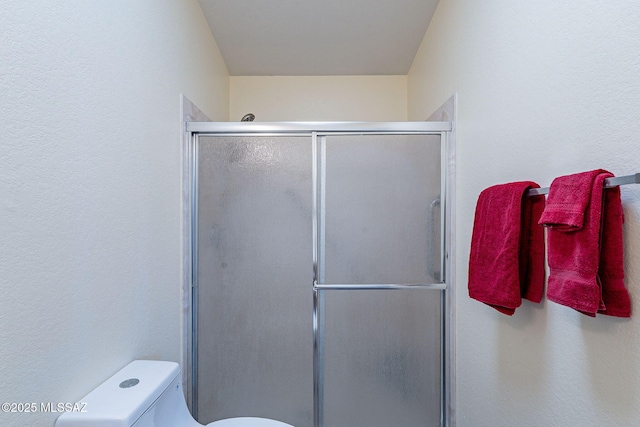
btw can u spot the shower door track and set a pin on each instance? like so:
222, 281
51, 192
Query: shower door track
318, 131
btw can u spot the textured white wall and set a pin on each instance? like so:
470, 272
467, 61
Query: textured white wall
90, 253
321, 98
545, 88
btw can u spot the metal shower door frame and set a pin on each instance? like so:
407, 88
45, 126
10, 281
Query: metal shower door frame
318, 131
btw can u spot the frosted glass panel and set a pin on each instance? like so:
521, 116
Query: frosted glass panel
255, 347
379, 222
382, 209
382, 358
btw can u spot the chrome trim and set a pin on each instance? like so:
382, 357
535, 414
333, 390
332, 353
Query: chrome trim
316, 362
314, 207
322, 203
444, 199
256, 134
319, 185
314, 236
377, 286
444, 244
443, 360
320, 127
194, 272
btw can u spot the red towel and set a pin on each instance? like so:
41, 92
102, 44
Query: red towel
568, 199
611, 270
585, 245
506, 262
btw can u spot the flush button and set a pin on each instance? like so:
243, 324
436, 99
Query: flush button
129, 383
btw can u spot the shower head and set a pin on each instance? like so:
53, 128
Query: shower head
248, 118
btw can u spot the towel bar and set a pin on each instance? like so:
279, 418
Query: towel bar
608, 183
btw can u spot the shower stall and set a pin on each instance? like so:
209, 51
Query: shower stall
319, 272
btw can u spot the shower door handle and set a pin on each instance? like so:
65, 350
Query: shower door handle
433, 240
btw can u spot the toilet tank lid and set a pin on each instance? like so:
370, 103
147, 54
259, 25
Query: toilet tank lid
123, 398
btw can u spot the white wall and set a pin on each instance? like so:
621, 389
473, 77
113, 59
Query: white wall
90, 179
545, 88
319, 98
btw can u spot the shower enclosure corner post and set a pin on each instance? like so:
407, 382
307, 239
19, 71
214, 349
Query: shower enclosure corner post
186, 145
192, 272
445, 215
189, 112
448, 268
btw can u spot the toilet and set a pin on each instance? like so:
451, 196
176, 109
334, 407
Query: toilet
145, 393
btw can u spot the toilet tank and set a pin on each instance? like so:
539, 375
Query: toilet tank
131, 397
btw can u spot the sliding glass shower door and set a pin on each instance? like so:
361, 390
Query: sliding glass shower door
254, 299
318, 278
380, 356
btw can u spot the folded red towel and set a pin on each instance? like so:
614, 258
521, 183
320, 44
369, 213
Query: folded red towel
568, 199
506, 262
584, 255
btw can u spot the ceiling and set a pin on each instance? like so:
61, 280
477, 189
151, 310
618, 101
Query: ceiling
318, 37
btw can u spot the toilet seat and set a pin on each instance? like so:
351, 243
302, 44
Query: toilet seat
248, 422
